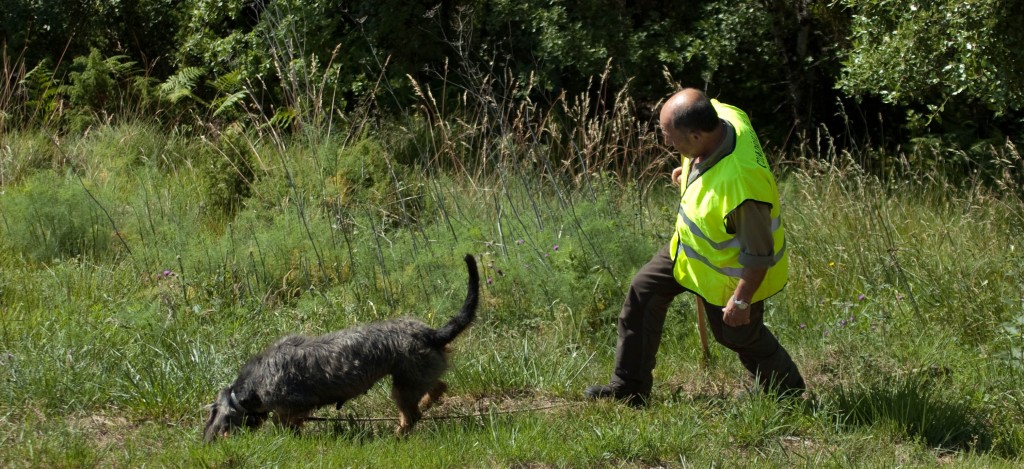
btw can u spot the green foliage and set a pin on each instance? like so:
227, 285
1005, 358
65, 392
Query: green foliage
189, 93
921, 364
363, 166
115, 149
369, 178
41, 95
863, 256
564, 46
92, 87
951, 62
50, 219
37, 30
230, 95
902, 309
22, 153
947, 69
1013, 331
182, 86
275, 46
918, 408
102, 88
727, 34
219, 35
932, 52
229, 171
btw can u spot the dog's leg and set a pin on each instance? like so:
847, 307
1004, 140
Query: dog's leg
433, 396
291, 420
407, 398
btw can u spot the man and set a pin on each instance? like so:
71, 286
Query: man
728, 248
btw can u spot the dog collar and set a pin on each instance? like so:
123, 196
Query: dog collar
233, 401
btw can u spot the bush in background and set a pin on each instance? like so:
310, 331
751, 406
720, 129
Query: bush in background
52, 218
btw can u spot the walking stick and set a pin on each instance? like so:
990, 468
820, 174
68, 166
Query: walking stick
700, 330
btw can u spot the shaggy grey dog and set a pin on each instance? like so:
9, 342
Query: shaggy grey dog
299, 374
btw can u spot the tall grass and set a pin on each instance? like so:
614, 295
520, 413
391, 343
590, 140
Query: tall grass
189, 251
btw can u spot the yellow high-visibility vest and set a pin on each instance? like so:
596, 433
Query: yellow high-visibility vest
706, 256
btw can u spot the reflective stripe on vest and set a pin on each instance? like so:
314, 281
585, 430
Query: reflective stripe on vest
731, 243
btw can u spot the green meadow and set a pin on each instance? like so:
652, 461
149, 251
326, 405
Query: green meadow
141, 266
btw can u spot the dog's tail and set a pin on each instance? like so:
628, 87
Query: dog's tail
460, 322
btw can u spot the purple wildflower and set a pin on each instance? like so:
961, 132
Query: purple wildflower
554, 248
861, 297
489, 281
842, 323
803, 326
520, 241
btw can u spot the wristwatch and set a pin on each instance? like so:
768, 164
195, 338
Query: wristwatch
740, 303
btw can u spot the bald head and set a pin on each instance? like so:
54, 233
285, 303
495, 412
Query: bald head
690, 123
689, 110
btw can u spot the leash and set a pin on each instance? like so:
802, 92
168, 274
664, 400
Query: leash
353, 419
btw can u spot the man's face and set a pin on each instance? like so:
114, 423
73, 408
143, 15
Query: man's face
683, 141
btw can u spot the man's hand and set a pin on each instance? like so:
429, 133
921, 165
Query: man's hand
735, 317
750, 279
676, 174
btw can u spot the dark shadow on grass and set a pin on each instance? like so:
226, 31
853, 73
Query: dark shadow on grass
918, 407
362, 431
355, 431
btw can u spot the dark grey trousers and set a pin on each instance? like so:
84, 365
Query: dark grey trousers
642, 320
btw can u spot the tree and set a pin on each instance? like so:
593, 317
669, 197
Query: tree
806, 34
143, 30
945, 60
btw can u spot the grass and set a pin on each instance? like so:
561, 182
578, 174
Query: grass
182, 254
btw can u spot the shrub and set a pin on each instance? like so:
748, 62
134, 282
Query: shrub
21, 153
368, 174
102, 87
228, 173
52, 218
127, 145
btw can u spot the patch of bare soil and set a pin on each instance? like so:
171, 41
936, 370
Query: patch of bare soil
506, 403
105, 430
464, 406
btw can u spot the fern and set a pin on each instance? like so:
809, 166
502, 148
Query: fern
182, 85
96, 84
229, 102
284, 117
42, 93
230, 92
228, 82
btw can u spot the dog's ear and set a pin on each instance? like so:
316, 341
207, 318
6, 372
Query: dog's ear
250, 401
212, 410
